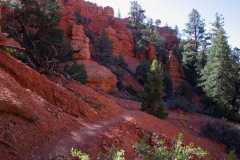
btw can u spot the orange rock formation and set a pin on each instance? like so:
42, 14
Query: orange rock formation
80, 43
175, 71
99, 77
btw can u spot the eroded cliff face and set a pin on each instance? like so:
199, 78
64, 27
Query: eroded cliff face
98, 19
101, 19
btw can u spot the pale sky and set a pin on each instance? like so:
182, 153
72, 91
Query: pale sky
175, 12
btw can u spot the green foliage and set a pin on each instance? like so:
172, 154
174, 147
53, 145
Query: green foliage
235, 56
195, 47
37, 32
195, 30
118, 67
167, 84
184, 104
77, 72
153, 89
103, 50
116, 154
142, 70
137, 14
224, 132
185, 90
144, 33
77, 153
219, 76
232, 156
161, 151
80, 19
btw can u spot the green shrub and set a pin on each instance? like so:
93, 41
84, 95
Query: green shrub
167, 84
77, 153
184, 104
103, 50
224, 132
45, 44
80, 19
232, 156
116, 154
77, 72
161, 151
185, 90
213, 109
142, 70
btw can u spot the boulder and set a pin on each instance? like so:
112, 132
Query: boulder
99, 77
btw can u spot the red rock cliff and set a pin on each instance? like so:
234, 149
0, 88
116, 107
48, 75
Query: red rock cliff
175, 71
99, 19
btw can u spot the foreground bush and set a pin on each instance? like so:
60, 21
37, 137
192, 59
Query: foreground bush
225, 133
161, 151
114, 154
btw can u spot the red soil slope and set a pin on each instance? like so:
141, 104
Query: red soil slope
42, 119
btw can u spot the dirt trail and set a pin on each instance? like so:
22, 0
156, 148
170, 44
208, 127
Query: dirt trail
90, 135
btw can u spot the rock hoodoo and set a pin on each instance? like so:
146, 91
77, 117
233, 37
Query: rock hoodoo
175, 71
80, 43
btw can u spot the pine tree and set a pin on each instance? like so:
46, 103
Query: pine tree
103, 50
34, 24
194, 55
137, 14
218, 74
153, 89
236, 67
119, 14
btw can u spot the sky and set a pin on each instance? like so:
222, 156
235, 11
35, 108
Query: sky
175, 12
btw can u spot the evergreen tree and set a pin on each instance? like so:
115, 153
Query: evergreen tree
137, 14
194, 55
34, 25
153, 89
218, 75
195, 30
236, 67
119, 14
103, 50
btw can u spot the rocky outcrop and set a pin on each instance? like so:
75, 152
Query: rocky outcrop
108, 11
8, 42
99, 19
53, 93
175, 71
99, 77
80, 43
122, 40
169, 36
